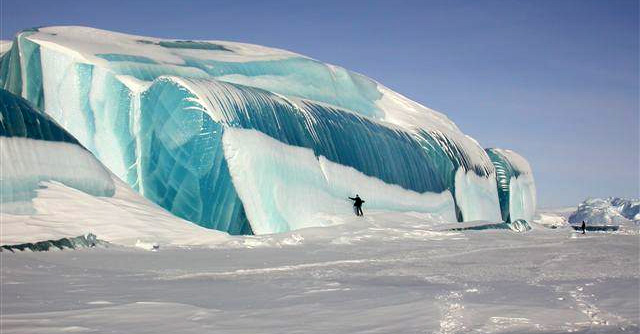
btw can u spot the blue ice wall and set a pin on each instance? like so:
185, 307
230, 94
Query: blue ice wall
504, 172
182, 166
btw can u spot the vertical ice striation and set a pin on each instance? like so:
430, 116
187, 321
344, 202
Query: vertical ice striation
178, 121
516, 188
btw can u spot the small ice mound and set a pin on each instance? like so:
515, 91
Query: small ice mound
292, 240
519, 225
151, 246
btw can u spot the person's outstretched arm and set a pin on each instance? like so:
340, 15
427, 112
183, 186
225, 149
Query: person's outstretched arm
351, 198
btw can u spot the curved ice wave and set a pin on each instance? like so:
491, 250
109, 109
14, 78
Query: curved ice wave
516, 187
185, 118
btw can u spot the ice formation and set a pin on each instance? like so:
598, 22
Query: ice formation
249, 139
602, 211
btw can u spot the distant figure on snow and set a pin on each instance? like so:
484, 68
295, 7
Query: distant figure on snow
584, 227
357, 204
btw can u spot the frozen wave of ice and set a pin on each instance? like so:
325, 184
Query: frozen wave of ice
154, 111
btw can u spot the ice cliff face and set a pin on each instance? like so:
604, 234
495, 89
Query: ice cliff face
244, 138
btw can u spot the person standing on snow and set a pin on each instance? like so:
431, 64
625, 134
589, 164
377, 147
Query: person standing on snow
584, 227
357, 204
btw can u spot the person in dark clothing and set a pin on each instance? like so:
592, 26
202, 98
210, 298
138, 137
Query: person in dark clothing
584, 227
357, 204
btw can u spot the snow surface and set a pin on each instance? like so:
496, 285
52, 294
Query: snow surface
383, 273
125, 218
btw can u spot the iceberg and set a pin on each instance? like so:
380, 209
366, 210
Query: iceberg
612, 210
249, 139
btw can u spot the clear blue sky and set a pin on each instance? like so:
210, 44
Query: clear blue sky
556, 80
